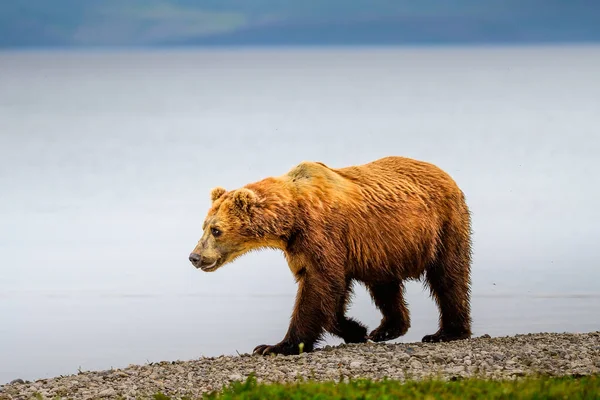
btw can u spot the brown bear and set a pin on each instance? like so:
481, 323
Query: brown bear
380, 223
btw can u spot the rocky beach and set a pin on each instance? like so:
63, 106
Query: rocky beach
554, 354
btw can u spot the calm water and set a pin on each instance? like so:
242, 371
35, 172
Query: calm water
107, 159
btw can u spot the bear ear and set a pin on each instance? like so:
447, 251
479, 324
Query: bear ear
216, 193
244, 199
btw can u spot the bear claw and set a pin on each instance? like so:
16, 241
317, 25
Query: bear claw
441, 336
283, 348
260, 350
384, 333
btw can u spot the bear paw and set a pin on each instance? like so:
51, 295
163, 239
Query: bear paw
443, 336
284, 348
352, 331
387, 332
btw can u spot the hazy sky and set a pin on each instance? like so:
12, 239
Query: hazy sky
35, 23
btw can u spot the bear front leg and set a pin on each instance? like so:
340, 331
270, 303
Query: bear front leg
350, 330
389, 299
314, 311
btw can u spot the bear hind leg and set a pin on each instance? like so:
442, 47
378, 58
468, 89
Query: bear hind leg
449, 282
389, 299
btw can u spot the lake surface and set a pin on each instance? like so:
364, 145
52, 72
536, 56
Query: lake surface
107, 159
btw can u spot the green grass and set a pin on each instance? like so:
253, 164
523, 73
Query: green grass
587, 387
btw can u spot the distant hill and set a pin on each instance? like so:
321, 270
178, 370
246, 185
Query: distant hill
44, 23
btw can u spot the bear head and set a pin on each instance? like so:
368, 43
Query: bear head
234, 225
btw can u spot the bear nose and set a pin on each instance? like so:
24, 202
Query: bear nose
195, 258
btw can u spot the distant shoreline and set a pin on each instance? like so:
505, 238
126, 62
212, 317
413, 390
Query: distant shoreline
305, 46
551, 354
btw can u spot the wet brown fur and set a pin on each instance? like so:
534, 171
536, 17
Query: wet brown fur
380, 223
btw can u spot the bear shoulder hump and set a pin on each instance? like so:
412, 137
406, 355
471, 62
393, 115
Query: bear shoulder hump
308, 170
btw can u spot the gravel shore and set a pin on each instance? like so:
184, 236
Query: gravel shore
502, 357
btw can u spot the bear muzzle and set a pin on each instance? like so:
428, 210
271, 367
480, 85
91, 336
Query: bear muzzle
201, 262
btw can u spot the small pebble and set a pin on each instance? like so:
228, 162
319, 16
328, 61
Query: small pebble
355, 364
107, 392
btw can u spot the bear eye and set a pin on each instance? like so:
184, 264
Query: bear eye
215, 232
